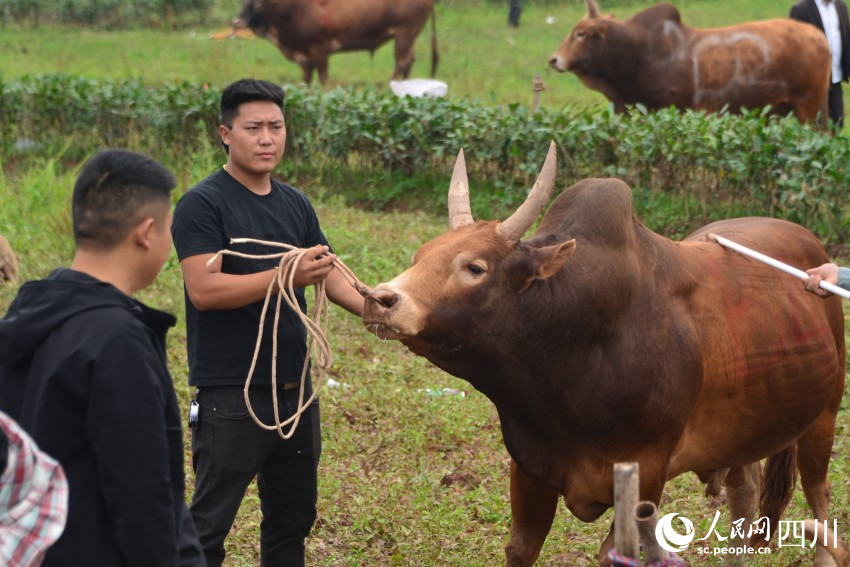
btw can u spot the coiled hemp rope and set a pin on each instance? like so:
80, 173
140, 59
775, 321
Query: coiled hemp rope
316, 324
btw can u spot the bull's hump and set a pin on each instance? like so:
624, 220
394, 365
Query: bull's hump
597, 209
658, 14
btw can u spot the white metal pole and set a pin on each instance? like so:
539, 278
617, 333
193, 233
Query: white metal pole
777, 264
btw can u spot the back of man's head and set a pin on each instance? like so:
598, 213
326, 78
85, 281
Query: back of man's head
248, 90
117, 189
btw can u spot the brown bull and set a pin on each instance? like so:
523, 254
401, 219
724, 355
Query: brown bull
309, 31
656, 60
600, 341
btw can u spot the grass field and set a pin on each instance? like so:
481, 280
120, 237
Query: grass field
387, 446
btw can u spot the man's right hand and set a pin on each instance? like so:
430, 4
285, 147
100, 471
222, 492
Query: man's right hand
827, 273
314, 266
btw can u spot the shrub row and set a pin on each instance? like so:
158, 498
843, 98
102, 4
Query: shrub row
106, 13
713, 166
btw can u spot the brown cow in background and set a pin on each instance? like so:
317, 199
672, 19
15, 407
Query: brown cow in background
309, 31
599, 342
655, 60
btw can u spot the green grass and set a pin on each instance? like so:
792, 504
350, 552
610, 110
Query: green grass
386, 446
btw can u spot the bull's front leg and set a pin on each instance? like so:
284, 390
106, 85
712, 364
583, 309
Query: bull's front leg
306, 69
533, 507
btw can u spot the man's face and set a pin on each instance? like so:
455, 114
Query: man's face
256, 138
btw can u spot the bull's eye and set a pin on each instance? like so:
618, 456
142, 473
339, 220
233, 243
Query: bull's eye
475, 269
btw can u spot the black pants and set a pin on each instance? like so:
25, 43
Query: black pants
836, 107
514, 11
191, 554
229, 449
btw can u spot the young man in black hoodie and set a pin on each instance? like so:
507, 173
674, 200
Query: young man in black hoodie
83, 370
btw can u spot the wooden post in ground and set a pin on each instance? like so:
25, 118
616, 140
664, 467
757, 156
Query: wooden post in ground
626, 488
646, 517
537, 88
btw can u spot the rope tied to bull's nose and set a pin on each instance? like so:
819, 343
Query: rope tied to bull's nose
316, 324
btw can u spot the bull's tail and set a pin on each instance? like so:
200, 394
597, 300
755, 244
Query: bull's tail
777, 486
435, 55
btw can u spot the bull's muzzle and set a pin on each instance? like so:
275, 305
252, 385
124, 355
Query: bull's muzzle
557, 64
384, 297
381, 314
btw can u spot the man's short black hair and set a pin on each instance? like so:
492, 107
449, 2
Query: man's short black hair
248, 90
117, 189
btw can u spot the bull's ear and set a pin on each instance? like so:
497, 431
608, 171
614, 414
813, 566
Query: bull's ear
548, 260
551, 258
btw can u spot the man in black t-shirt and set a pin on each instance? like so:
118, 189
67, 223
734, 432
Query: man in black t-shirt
223, 306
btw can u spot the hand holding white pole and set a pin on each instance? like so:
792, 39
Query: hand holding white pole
777, 264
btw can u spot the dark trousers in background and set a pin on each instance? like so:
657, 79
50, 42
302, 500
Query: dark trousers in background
514, 11
229, 449
836, 107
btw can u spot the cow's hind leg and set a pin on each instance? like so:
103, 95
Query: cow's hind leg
404, 54
813, 452
533, 507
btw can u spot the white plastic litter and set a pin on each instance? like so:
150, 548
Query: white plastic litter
440, 392
419, 88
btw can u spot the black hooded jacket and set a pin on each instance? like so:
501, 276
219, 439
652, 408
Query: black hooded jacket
83, 370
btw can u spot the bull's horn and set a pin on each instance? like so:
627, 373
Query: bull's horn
592, 9
459, 210
513, 228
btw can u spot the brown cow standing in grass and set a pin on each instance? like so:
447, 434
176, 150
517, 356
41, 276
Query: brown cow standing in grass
599, 342
309, 31
656, 60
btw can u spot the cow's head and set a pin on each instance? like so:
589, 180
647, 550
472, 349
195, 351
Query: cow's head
583, 46
252, 16
465, 285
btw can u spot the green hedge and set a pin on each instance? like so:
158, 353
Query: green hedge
106, 13
712, 166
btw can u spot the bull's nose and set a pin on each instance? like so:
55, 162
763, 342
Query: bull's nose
553, 61
385, 296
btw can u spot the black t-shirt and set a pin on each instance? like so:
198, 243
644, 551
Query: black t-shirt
221, 343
